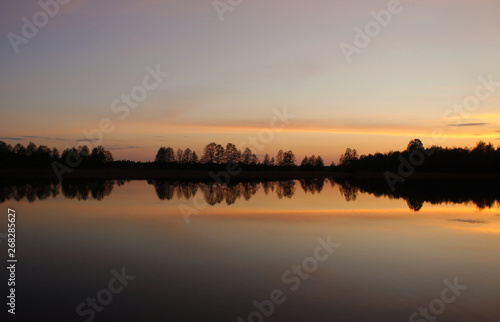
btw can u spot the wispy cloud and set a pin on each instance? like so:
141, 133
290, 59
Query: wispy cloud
87, 140
121, 147
33, 137
44, 137
470, 221
469, 124
11, 138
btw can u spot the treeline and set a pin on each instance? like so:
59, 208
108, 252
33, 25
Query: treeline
417, 158
40, 156
484, 157
216, 154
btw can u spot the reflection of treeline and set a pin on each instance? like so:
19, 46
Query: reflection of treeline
482, 158
482, 193
80, 190
215, 193
33, 155
83, 190
30, 191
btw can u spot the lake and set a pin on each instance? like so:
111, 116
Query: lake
309, 250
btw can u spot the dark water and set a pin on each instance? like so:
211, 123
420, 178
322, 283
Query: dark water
311, 250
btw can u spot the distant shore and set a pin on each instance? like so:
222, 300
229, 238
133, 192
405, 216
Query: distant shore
145, 173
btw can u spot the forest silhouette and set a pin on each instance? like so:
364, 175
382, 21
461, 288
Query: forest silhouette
484, 157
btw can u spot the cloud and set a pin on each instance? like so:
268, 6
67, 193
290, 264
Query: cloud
31, 137
11, 138
470, 221
469, 124
120, 147
44, 137
87, 140
163, 137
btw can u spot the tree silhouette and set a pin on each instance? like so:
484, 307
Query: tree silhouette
415, 144
187, 156
319, 162
312, 162
288, 159
219, 154
161, 155
248, 157
19, 149
267, 161
231, 154
100, 155
350, 156
178, 156
194, 158
209, 153
31, 149
279, 158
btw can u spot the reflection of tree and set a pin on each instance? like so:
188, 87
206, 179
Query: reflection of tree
285, 189
83, 190
248, 189
268, 186
484, 203
232, 194
31, 191
213, 193
414, 204
165, 190
312, 185
187, 189
482, 193
349, 191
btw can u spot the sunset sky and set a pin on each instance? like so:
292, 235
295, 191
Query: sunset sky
226, 77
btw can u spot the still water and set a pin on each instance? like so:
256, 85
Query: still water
315, 250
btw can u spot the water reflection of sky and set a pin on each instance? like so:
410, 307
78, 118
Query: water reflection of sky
391, 261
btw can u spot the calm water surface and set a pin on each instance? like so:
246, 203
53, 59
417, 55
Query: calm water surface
201, 252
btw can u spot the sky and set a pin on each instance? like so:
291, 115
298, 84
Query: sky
222, 72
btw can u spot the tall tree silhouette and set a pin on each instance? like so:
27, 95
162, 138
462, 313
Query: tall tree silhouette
209, 153
231, 154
